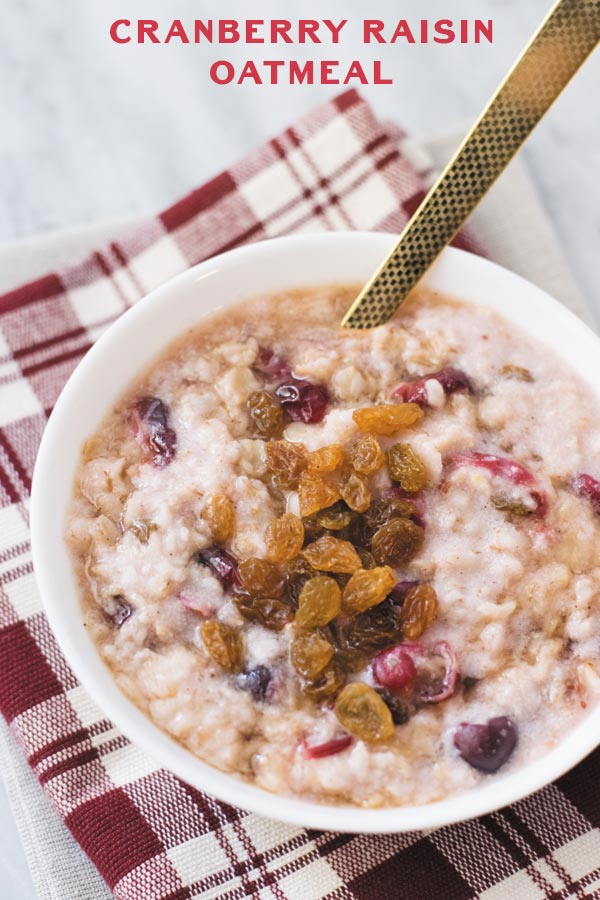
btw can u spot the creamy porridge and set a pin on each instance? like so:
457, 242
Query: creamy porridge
355, 567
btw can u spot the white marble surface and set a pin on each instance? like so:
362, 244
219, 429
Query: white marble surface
91, 130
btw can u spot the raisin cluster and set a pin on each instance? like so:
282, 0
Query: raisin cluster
329, 570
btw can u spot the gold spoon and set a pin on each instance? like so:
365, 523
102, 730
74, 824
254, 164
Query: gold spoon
561, 45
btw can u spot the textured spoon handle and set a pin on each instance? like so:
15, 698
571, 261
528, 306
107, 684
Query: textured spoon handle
557, 50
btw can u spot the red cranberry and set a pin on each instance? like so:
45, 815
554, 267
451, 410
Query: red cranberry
255, 682
328, 748
271, 365
153, 432
303, 401
437, 670
395, 670
222, 564
486, 747
428, 672
588, 487
498, 465
451, 380
506, 468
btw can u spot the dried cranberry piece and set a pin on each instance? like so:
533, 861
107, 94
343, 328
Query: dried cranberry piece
434, 687
395, 670
486, 747
271, 365
498, 465
303, 401
588, 487
121, 611
506, 468
222, 564
153, 432
435, 670
398, 593
328, 748
451, 380
255, 682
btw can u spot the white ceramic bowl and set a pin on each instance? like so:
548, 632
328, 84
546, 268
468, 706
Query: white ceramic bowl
129, 345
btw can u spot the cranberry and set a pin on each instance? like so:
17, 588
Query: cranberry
498, 465
271, 365
437, 670
588, 487
428, 672
395, 670
303, 401
451, 380
256, 682
153, 432
398, 593
222, 564
328, 748
506, 468
486, 747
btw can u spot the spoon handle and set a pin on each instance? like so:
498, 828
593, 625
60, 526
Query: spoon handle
560, 46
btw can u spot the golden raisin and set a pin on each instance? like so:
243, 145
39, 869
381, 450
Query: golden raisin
223, 643
418, 610
327, 459
368, 587
330, 554
268, 611
397, 542
406, 467
382, 510
327, 685
310, 654
319, 602
387, 418
355, 491
365, 455
260, 578
220, 515
334, 518
314, 494
297, 574
359, 637
266, 414
363, 713
286, 461
284, 538
367, 559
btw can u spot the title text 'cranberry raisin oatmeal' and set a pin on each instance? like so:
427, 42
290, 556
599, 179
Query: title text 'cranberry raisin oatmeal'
353, 567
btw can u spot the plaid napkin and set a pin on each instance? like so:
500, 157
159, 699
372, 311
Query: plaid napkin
151, 836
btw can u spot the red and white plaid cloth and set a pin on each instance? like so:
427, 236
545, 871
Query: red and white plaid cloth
151, 836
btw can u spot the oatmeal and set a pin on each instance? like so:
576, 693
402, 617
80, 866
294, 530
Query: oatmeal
353, 567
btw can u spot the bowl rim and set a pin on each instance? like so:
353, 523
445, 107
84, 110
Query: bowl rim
95, 676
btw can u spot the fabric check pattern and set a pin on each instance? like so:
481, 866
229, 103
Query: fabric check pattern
151, 836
